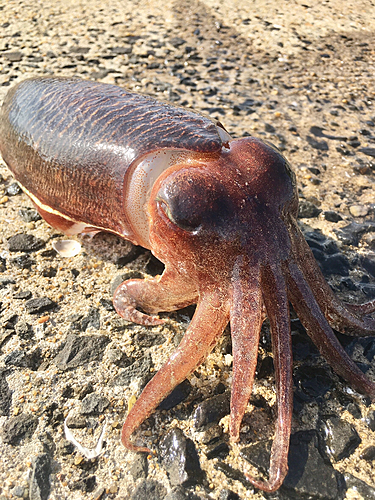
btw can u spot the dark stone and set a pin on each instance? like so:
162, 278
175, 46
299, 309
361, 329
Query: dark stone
23, 261
312, 383
94, 404
228, 495
91, 320
217, 450
25, 295
107, 304
13, 56
178, 394
269, 128
79, 50
258, 454
332, 216
336, 264
13, 189
5, 394
122, 50
180, 459
3, 264
368, 264
341, 438
368, 151
119, 358
319, 145
80, 350
6, 281
368, 454
24, 359
19, 428
24, 243
139, 467
76, 422
177, 41
212, 410
366, 491
49, 272
354, 410
180, 493
370, 420
146, 339
138, 370
352, 233
308, 210
24, 331
86, 484
39, 305
233, 474
306, 464
40, 480
150, 489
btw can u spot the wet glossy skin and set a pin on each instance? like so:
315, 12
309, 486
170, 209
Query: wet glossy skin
234, 234
224, 224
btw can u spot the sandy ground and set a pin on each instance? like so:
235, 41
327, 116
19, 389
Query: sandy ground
305, 64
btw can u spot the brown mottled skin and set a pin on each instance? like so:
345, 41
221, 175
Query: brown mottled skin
224, 225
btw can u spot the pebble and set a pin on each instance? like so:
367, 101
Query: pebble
179, 394
92, 319
140, 369
180, 459
368, 263
86, 484
13, 189
306, 464
23, 242
24, 359
332, 216
150, 489
370, 420
341, 438
19, 428
78, 350
308, 210
139, 467
226, 494
312, 383
94, 404
211, 410
180, 493
23, 261
39, 305
40, 479
23, 295
368, 454
366, 491
5, 393
29, 214
368, 151
358, 210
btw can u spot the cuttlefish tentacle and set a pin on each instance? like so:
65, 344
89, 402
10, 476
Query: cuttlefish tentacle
308, 310
277, 306
208, 323
246, 319
349, 319
167, 292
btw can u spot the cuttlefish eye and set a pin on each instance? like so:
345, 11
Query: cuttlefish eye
193, 200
